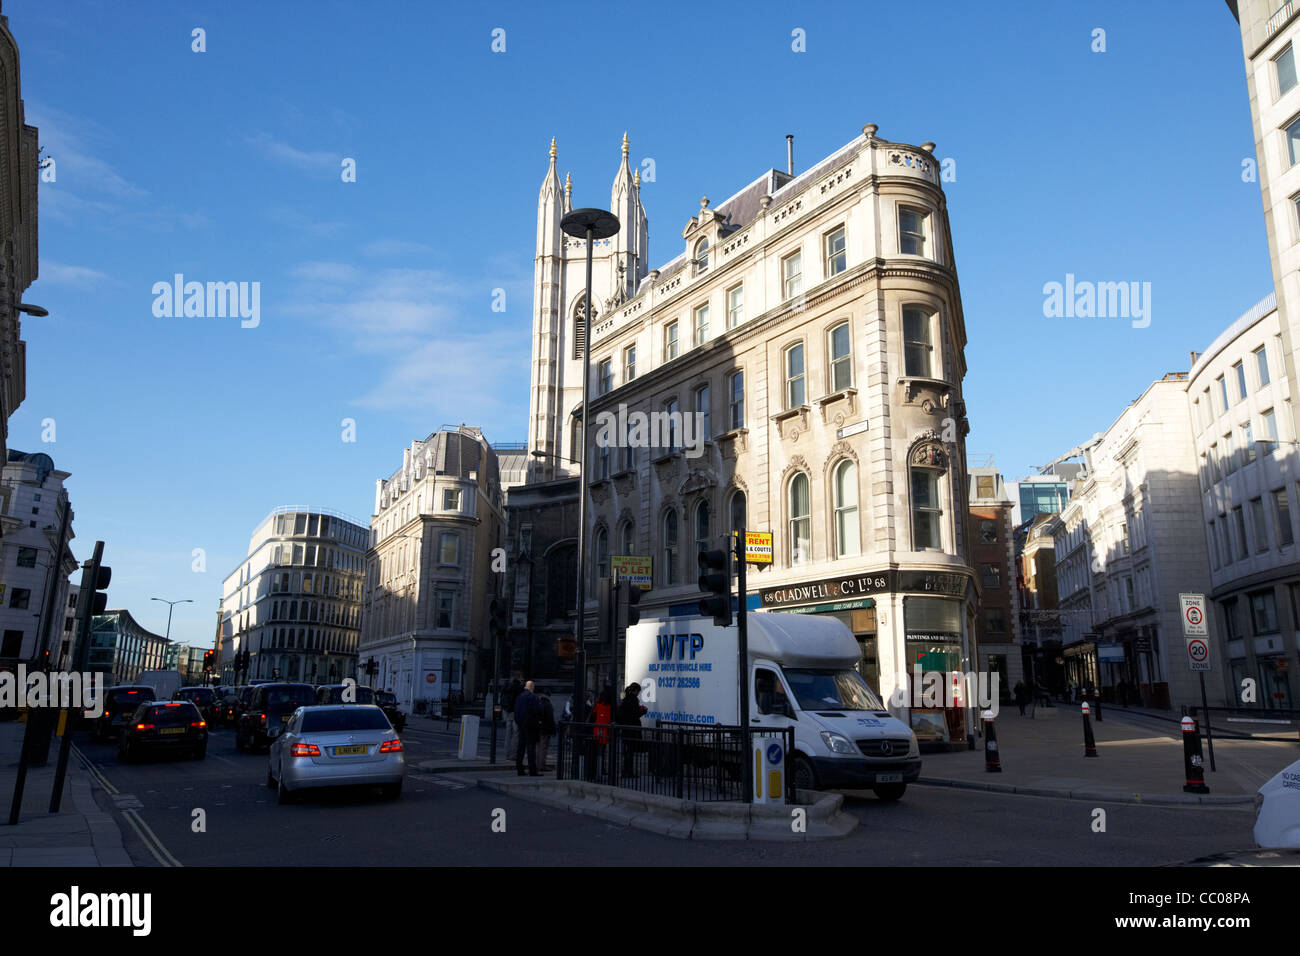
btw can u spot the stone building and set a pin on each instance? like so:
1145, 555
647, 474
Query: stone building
295, 602
19, 169
801, 358
435, 562
35, 559
1130, 540
992, 556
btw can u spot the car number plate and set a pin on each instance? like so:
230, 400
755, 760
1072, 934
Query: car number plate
172, 730
889, 778
352, 751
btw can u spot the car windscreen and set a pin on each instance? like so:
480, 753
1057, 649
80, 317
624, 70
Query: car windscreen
290, 697
831, 689
329, 721
179, 715
126, 696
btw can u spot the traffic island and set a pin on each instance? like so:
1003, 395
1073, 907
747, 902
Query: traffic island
817, 816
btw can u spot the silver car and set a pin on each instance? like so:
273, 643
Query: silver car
336, 745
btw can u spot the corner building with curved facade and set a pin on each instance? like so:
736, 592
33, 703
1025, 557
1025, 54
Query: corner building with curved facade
811, 327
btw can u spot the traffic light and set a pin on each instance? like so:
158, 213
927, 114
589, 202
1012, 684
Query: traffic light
715, 578
98, 599
629, 596
499, 624
372, 668
207, 660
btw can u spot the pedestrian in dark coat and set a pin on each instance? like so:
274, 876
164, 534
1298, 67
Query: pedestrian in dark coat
1022, 696
528, 719
629, 714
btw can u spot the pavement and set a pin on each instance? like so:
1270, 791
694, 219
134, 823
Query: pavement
81, 834
1139, 758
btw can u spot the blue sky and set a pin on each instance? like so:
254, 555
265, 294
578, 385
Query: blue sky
182, 433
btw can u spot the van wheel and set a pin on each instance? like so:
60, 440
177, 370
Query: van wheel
805, 777
889, 792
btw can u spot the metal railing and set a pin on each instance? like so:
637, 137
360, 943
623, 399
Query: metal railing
697, 762
1279, 18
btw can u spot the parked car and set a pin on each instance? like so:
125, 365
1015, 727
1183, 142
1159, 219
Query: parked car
204, 698
168, 726
387, 701
1277, 810
268, 711
120, 704
333, 694
335, 746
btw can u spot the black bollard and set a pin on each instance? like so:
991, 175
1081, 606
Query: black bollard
1089, 744
992, 760
1193, 765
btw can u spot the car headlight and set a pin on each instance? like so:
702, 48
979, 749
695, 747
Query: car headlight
838, 743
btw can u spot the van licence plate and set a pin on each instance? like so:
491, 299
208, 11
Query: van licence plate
889, 778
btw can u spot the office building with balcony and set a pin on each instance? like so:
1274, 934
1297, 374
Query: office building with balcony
435, 562
295, 602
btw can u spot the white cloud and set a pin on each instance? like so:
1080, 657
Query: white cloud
317, 162
58, 273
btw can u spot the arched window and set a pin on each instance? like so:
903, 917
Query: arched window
628, 538
737, 511
601, 552
701, 257
800, 521
848, 541
670, 548
702, 527
841, 358
580, 325
927, 509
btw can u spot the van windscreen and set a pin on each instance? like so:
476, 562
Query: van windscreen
831, 689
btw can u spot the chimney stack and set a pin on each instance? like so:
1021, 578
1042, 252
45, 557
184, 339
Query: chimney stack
789, 153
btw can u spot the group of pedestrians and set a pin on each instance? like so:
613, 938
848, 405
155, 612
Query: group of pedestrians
530, 733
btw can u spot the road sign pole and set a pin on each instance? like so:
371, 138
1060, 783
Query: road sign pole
742, 647
1209, 734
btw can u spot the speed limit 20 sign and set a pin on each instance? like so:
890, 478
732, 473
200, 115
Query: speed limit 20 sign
1195, 631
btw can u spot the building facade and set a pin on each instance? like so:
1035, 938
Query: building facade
122, 649
35, 559
295, 602
803, 358
1129, 541
19, 169
1248, 466
1038, 603
992, 552
435, 562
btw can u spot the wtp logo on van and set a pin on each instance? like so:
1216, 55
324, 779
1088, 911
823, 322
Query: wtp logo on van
668, 641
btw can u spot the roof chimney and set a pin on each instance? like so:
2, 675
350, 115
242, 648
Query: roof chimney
1195, 356
789, 153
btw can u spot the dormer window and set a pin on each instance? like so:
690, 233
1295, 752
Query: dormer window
701, 257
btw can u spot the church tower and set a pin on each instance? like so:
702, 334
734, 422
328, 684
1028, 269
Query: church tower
619, 263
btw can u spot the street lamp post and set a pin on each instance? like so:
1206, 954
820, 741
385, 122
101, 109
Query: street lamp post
589, 224
170, 607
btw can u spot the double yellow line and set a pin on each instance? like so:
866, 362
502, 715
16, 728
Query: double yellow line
142, 829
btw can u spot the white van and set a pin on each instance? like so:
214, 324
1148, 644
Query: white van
801, 674
164, 683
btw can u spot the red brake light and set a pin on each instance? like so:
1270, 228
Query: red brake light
198, 723
146, 726
390, 746
304, 750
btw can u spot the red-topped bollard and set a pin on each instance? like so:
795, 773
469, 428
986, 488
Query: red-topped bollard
1193, 765
992, 761
1089, 744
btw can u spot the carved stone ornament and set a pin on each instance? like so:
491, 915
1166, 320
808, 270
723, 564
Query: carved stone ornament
929, 453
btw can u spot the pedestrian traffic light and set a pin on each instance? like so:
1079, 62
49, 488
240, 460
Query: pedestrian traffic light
715, 578
499, 623
629, 596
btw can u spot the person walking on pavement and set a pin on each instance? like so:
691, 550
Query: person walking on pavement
528, 717
629, 714
508, 711
547, 727
1021, 696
